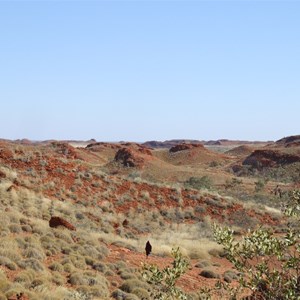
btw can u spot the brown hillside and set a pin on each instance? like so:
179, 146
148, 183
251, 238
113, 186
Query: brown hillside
269, 158
240, 151
100, 191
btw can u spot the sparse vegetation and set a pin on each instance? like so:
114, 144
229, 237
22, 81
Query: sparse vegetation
271, 264
199, 183
164, 281
115, 211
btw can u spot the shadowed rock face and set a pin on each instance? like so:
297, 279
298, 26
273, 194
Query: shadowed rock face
132, 158
289, 141
184, 146
127, 158
58, 221
270, 158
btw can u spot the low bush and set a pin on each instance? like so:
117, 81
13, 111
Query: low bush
31, 263
6, 262
274, 275
163, 282
129, 285
198, 183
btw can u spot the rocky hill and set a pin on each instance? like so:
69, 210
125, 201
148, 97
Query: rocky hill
75, 220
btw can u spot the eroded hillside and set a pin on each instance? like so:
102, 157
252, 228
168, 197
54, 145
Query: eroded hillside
118, 196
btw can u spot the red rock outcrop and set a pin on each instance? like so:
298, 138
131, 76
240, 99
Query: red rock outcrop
145, 151
128, 158
270, 158
184, 146
289, 141
65, 149
58, 221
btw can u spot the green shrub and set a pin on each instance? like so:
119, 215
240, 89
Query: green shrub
5, 261
68, 267
87, 278
164, 281
57, 278
202, 264
34, 253
26, 228
55, 266
198, 183
15, 228
259, 185
229, 276
141, 293
119, 294
278, 280
129, 285
31, 263
100, 267
4, 283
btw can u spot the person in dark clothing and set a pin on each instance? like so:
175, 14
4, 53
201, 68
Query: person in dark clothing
148, 248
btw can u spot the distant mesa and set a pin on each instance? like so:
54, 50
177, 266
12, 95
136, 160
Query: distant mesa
213, 143
221, 142
169, 143
101, 145
184, 146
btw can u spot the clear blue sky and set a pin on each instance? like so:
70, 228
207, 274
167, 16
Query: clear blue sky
144, 70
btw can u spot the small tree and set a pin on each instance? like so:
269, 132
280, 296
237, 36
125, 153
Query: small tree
271, 263
164, 281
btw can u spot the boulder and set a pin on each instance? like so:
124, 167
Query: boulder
58, 221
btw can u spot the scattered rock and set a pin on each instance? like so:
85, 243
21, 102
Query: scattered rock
209, 274
58, 221
125, 223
